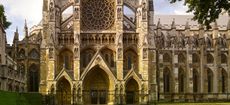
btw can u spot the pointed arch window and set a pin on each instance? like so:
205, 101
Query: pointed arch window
34, 54
210, 58
195, 81
129, 62
166, 79
167, 58
195, 58
223, 80
181, 77
21, 53
210, 80
33, 78
224, 59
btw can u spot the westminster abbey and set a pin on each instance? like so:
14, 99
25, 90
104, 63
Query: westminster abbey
95, 52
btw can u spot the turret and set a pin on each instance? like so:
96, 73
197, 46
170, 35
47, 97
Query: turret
201, 31
187, 29
16, 36
173, 27
25, 30
159, 27
215, 30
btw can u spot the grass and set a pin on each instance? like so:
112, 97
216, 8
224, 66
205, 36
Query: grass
212, 103
14, 98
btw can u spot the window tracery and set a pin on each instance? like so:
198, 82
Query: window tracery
98, 14
34, 54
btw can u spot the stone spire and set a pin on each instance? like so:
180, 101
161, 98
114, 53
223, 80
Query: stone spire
187, 25
25, 29
215, 30
173, 26
16, 36
187, 29
201, 31
228, 25
159, 24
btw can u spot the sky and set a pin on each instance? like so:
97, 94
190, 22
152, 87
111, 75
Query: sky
17, 11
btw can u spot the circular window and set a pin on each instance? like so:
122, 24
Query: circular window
97, 14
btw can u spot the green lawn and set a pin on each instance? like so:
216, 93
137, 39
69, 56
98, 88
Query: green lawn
193, 104
14, 98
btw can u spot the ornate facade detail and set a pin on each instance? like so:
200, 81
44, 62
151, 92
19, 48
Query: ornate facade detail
98, 15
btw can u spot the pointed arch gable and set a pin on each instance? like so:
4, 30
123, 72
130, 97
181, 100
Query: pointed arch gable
130, 75
97, 60
64, 74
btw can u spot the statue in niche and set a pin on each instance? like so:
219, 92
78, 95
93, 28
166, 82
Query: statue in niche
224, 41
51, 55
76, 10
119, 53
145, 40
52, 10
119, 13
145, 53
77, 39
119, 39
144, 10
76, 53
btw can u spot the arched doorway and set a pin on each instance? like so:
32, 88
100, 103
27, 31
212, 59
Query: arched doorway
63, 92
33, 82
132, 91
96, 87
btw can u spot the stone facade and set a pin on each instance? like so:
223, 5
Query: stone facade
11, 79
99, 54
91, 52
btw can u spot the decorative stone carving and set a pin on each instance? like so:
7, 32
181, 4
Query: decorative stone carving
145, 53
144, 10
51, 53
76, 13
119, 53
75, 53
98, 14
52, 10
77, 39
119, 39
119, 13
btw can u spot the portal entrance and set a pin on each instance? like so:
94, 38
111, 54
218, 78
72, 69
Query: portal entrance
63, 92
132, 92
96, 86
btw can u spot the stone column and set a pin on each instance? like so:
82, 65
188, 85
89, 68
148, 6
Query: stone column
161, 76
189, 74
77, 39
174, 81
119, 39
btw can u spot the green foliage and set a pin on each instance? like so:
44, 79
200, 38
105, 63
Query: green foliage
206, 11
6, 23
14, 98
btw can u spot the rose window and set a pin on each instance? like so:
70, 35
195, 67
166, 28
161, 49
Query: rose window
97, 14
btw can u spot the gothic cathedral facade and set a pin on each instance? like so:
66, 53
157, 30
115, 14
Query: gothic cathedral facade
94, 55
119, 52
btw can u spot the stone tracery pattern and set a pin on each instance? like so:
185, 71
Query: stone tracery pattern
98, 15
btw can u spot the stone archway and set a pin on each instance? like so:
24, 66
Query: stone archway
96, 87
132, 91
63, 92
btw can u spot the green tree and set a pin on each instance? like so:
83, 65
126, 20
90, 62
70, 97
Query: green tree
3, 18
206, 11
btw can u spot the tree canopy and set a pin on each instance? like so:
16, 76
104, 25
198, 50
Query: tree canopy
3, 18
206, 11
